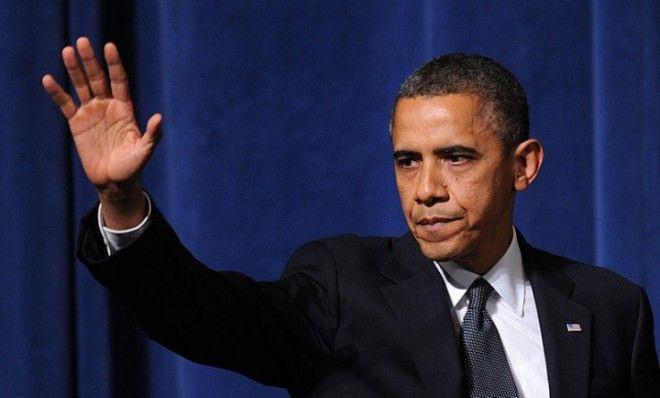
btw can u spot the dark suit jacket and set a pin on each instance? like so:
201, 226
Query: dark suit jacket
369, 317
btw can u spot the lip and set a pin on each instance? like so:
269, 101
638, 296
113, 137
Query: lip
434, 228
430, 221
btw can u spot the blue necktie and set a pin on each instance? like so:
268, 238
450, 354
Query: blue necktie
484, 360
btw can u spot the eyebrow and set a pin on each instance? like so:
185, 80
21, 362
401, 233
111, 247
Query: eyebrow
405, 154
454, 149
440, 152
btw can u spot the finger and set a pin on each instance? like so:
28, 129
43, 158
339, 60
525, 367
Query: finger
118, 78
59, 96
95, 74
154, 131
76, 74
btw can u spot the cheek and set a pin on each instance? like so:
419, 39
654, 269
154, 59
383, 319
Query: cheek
474, 196
407, 206
464, 190
492, 202
405, 193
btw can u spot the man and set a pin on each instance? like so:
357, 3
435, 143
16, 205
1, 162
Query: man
460, 305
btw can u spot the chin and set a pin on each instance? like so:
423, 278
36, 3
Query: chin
441, 248
440, 251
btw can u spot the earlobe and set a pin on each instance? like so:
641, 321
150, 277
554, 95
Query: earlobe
528, 157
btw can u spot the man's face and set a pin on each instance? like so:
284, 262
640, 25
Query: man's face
455, 181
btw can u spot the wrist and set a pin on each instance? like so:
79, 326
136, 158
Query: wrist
123, 206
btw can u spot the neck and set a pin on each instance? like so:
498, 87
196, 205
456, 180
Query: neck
482, 259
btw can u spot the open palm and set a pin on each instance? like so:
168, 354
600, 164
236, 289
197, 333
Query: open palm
108, 140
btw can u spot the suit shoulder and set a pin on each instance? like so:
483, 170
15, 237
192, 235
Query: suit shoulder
349, 243
589, 279
343, 250
358, 243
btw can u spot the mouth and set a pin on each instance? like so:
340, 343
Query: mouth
435, 220
435, 225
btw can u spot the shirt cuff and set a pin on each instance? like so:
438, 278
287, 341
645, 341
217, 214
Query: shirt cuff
115, 239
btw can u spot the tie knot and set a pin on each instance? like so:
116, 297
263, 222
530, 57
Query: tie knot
478, 294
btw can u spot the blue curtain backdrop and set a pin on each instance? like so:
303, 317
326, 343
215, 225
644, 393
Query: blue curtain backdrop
276, 118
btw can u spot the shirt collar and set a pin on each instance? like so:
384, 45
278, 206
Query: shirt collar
507, 278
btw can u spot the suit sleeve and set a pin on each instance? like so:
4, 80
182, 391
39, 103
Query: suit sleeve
645, 374
276, 333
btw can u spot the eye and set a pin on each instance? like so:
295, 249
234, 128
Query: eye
457, 159
406, 163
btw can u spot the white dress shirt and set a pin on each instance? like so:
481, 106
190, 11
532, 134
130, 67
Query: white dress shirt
511, 306
513, 310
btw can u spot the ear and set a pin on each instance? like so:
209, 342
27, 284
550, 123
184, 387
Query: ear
528, 157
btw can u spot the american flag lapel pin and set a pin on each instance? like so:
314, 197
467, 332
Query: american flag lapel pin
573, 327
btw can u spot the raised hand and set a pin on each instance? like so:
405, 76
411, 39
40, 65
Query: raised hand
106, 135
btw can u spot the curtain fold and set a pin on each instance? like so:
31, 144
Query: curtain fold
626, 94
275, 120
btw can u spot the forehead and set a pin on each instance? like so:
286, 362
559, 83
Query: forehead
445, 120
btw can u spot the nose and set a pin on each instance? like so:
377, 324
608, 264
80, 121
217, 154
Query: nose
431, 186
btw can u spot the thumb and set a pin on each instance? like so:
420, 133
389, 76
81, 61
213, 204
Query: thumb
154, 130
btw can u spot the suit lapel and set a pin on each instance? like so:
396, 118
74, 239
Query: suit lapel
420, 302
567, 352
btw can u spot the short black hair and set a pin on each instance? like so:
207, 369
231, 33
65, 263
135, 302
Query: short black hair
503, 103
